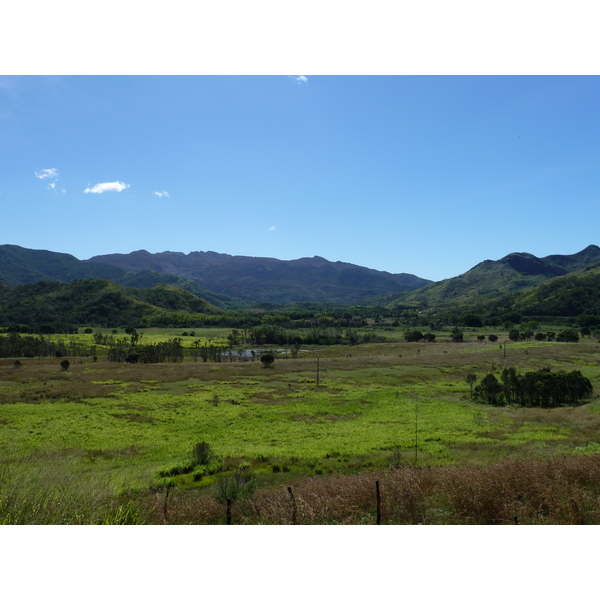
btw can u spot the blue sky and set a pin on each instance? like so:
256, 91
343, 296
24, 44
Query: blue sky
418, 174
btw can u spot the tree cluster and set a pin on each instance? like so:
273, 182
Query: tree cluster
543, 388
416, 336
124, 351
14, 344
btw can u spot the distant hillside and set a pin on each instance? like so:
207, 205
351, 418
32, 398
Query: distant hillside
494, 278
571, 295
20, 266
96, 302
259, 280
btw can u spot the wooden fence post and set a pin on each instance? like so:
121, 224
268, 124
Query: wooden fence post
291, 493
378, 493
165, 510
229, 503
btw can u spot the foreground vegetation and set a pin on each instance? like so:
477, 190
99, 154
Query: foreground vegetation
100, 441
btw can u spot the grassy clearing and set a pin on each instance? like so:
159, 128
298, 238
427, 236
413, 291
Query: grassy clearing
377, 406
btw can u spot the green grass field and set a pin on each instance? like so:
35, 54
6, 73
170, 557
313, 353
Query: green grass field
376, 406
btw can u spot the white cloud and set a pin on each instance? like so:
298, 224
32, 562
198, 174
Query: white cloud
271, 228
47, 173
113, 186
301, 79
162, 194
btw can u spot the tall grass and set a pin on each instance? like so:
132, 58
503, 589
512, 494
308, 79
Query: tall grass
53, 493
563, 490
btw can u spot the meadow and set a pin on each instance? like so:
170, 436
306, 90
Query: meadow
106, 442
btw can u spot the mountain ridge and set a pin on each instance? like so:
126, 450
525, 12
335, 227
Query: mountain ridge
265, 279
488, 279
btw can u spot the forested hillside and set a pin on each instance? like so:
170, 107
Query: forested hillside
257, 280
20, 266
492, 279
95, 301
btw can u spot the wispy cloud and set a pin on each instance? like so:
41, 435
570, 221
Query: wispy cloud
47, 174
162, 194
301, 79
53, 187
50, 174
271, 228
113, 186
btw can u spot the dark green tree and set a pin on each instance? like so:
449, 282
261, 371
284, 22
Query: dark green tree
267, 358
456, 335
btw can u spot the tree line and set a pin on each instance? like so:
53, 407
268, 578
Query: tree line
29, 346
543, 388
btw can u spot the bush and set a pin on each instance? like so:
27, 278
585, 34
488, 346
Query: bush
456, 335
413, 336
202, 454
267, 358
199, 472
567, 336
235, 487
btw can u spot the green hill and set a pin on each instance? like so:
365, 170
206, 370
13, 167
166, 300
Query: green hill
493, 279
20, 266
97, 302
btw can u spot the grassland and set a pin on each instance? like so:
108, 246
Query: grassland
93, 443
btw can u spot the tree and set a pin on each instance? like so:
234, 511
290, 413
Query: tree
568, 335
65, 364
456, 335
471, 379
235, 487
493, 338
267, 358
201, 453
413, 336
514, 335
471, 320
489, 390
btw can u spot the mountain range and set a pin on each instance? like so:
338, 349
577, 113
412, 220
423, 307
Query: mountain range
256, 279
221, 279
229, 281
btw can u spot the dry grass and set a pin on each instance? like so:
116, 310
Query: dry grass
561, 491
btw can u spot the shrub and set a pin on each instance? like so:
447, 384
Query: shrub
413, 336
199, 472
267, 358
457, 335
181, 469
202, 454
241, 484
567, 336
